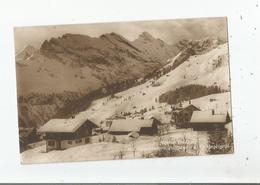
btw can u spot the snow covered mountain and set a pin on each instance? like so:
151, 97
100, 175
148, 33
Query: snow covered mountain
209, 69
79, 65
155, 48
79, 62
25, 54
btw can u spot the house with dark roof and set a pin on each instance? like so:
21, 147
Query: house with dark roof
141, 126
182, 114
208, 120
65, 133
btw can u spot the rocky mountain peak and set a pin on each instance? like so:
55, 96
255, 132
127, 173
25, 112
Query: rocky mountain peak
25, 53
112, 34
30, 48
146, 36
199, 46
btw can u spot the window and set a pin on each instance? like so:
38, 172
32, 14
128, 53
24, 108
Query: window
79, 141
51, 143
70, 142
86, 140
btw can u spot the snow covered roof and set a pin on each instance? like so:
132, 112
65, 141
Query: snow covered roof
207, 117
64, 125
181, 108
156, 117
130, 125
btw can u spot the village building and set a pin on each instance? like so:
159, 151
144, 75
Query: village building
163, 123
106, 124
157, 119
141, 126
208, 120
182, 114
65, 133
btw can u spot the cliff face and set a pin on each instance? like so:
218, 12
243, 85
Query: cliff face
70, 67
156, 49
195, 47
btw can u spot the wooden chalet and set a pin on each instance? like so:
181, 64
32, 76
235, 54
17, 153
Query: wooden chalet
141, 126
208, 120
182, 114
65, 133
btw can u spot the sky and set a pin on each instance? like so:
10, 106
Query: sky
170, 31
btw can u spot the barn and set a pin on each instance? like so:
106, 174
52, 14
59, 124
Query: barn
65, 133
208, 120
141, 126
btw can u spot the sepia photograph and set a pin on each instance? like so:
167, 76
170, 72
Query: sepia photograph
123, 90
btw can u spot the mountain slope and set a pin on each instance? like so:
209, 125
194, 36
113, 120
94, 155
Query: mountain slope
155, 48
106, 150
78, 64
25, 54
210, 68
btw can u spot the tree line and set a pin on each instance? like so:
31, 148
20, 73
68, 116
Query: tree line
188, 92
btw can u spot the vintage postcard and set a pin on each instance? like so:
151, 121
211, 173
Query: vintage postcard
123, 90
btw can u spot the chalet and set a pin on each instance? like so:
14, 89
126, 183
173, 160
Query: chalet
208, 120
182, 114
141, 126
163, 123
65, 133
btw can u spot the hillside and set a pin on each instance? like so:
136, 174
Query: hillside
189, 48
144, 144
25, 54
209, 69
79, 65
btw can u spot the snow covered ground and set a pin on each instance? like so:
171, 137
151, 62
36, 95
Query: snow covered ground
144, 144
208, 69
199, 69
131, 149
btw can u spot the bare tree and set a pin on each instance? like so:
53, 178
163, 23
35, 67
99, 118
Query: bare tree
197, 146
119, 154
133, 145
